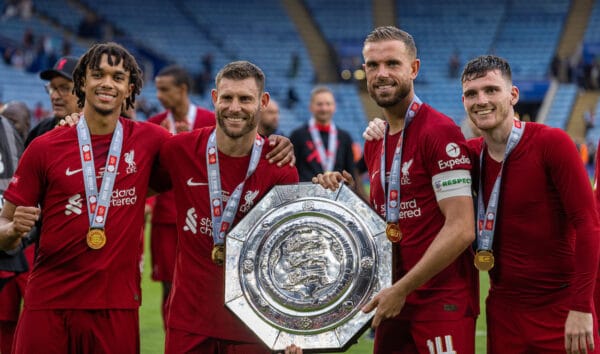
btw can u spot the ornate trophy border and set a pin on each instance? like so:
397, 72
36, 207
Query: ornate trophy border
301, 264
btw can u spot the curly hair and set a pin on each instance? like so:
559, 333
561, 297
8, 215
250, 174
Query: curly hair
116, 53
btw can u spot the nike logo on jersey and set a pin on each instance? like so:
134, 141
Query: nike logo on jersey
68, 172
191, 183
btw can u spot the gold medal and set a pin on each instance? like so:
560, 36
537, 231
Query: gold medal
484, 260
393, 232
218, 254
96, 239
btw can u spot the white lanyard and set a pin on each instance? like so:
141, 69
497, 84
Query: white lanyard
222, 220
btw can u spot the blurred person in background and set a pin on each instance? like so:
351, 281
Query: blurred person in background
62, 97
173, 87
320, 146
20, 116
269, 119
14, 265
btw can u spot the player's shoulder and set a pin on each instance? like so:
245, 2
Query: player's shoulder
343, 133
144, 133
542, 133
436, 118
158, 118
301, 130
201, 111
187, 139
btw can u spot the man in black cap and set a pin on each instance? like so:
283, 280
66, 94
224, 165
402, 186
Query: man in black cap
60, 89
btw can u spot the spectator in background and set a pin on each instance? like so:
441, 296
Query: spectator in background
319, 145
269, 119
292, 98
18, 113
589, 119
91, 27
66, 47
173, 86
453, 64
294, 65
204, 77
21, 8
14, 266
62, 98
39, 113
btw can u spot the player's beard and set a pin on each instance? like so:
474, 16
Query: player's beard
250, 124
401, 92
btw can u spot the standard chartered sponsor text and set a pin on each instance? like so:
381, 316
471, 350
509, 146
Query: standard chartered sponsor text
409, 209
121, 197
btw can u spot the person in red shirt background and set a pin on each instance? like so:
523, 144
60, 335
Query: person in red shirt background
173, 85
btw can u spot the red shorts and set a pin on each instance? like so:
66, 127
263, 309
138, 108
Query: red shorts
10, 297
163, 245
520, 330
424, 337
180, 341
77, 331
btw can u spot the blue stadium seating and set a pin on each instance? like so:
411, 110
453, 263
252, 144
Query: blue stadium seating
560, 110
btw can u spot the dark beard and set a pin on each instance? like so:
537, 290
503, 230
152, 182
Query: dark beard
391, 101
251, 125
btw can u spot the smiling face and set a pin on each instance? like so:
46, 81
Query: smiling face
107, 87
62, 98
237, 106
489, 99
322, 107
390, 70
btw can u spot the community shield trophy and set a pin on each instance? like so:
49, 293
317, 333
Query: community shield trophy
301, 264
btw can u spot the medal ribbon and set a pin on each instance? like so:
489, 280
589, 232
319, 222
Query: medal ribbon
191, 118
222, 219
327, 157
486, 217
98, 202
392, 192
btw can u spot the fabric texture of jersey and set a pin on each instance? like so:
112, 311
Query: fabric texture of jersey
432, 144
67, 274
164, 237
197, 296
308, 161
164, 209
546, 236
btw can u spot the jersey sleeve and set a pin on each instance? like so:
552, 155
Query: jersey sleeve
160, 180
575, 191
28, 182
449, 162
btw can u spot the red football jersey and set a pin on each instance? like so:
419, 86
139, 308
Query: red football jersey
67, 274
546, 236
432, 144
197, 296
164, 208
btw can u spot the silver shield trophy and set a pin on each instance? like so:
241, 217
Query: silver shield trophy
301, 264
